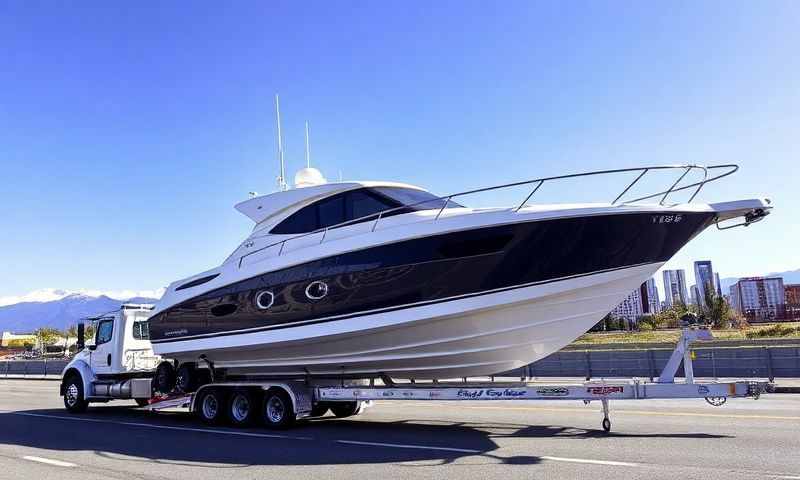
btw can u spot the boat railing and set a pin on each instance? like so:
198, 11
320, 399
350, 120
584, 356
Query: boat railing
707, 172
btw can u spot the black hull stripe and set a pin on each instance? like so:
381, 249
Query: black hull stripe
390, 309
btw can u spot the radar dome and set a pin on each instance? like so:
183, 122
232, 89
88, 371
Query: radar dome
308, 177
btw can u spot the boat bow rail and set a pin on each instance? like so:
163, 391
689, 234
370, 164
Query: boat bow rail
709, 174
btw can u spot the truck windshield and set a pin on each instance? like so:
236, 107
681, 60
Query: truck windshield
141, 330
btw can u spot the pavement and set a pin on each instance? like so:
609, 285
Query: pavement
461, 440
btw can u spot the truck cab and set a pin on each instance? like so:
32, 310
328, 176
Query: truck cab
118, 364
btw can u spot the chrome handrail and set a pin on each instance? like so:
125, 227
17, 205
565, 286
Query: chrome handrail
730, 169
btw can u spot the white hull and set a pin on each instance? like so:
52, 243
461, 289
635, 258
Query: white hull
474, 336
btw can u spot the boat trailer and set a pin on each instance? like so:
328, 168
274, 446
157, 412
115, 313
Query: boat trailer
307, 393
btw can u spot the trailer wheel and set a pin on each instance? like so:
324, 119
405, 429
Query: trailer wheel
242, 407
345, 409
210, 405
277, 410
74, 399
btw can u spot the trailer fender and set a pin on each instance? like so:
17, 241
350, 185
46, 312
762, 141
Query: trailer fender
81, 368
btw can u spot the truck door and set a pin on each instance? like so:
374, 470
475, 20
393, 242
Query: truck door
101, 354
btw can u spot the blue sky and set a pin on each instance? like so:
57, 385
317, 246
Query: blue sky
129, 130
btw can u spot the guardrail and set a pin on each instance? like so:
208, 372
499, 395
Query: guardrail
738, 362
447, 199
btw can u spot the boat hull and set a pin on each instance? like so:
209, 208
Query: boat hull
475, 301
472, 336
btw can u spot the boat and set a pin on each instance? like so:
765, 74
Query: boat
364, 279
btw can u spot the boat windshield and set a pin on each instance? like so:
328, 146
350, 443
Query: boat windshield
413, 198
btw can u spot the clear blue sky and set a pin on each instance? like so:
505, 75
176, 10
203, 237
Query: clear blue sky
129, 130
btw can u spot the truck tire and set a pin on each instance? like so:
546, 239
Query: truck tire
211, 405
242, 407
345, 409
164, 380
277, 410
74, 399
186, 378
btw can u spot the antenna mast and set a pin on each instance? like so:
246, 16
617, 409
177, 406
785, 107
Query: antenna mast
308, 150
282, 176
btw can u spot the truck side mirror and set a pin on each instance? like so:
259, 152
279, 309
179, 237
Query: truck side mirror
81, 337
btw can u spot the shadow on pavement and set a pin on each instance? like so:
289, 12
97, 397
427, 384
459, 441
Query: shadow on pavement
172, 438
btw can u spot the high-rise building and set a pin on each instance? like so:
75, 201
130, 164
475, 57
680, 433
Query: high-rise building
675, 287
694, 296
630, 309
650, 300
717, 284
792, 294
704, 279
759, 299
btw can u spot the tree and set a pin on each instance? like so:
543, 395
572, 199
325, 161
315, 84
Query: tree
46, 336
716, 308
649, 322
671, 317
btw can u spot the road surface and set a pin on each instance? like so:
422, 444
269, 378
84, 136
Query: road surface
416, 440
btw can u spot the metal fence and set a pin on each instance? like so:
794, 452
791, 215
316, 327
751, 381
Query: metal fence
740, 362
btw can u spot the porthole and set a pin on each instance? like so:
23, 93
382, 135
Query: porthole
265, 299
316, 290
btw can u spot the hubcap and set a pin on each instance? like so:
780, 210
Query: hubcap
275, 409
210, 406
240, 408
72, 394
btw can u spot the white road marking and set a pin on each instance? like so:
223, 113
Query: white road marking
399, 445
593, 462
48, 461
165, 427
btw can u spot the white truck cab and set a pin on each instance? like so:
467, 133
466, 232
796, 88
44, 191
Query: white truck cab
119, 364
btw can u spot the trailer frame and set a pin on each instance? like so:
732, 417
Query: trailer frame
307, 393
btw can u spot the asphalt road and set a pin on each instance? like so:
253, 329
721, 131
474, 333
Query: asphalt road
461, 440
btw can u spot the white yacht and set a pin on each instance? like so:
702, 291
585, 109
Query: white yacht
378, 278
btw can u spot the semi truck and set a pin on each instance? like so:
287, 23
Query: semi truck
119, 364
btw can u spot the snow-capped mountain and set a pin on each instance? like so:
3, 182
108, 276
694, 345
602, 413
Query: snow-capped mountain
61, 308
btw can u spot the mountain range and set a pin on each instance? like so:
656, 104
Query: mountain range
61, 308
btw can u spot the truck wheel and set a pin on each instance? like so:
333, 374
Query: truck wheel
74, 400
164, 380
186, 378
345, 409
210, 405
277, 410
242, 407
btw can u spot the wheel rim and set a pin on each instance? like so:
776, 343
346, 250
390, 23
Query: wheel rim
72, 394
210, 406
240, 408
275, 409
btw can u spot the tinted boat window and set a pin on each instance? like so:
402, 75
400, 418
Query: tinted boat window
362, 203
331, 211
304, 220
414, 199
